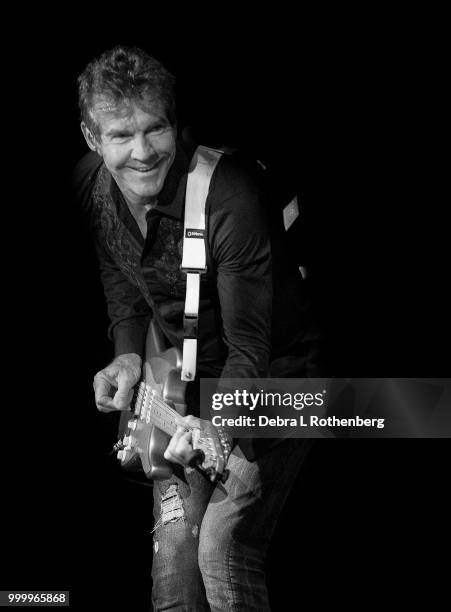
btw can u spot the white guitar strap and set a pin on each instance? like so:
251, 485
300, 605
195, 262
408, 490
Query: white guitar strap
200, 172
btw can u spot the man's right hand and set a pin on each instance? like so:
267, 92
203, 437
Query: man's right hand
113, 386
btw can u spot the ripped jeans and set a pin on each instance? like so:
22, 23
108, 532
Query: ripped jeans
210, 541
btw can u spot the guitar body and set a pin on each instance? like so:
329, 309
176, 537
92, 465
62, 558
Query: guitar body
161, 373
157, 412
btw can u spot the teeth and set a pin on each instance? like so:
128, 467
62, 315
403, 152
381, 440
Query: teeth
146, 169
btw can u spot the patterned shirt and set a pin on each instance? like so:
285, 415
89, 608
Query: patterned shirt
140, 275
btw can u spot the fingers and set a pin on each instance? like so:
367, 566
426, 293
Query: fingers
106, 382
207, 429
180, 448
124, 393
192, 421
103, 389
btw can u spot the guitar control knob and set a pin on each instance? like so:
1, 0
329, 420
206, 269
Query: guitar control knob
132, 424
124, 454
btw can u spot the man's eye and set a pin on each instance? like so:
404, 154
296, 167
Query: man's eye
156, 129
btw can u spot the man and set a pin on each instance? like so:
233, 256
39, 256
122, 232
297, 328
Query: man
132, 186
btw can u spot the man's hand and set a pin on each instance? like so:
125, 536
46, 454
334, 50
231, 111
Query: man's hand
180, 448
113, 386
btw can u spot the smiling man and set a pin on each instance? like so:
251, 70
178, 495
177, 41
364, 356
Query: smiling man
132, 188
137, 146
136, 140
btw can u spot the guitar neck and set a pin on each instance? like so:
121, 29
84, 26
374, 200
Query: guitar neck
156, 411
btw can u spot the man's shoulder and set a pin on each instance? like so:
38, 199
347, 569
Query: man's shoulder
84, 176
235, 200
88, 165
235, 175
235, 187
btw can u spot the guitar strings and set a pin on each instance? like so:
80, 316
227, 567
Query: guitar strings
164, 408
170, 412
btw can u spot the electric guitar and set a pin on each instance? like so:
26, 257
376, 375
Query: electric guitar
157, 411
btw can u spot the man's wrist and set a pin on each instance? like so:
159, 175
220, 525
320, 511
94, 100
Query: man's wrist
133, 357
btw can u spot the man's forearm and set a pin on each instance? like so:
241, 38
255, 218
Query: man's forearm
130, 337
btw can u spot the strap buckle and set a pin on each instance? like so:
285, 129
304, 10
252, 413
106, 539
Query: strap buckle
190, 326
193, 270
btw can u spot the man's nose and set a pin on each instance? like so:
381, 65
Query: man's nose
142, 147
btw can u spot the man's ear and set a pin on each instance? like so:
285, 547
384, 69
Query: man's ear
89, 137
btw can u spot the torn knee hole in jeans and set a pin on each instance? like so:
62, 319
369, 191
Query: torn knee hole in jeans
171, 506
172, 509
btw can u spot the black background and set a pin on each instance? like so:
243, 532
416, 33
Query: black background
350, 106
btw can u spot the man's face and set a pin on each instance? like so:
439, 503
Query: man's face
137, 146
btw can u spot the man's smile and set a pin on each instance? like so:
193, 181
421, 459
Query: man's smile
144, 169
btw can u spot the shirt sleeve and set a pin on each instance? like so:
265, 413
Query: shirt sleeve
128, 310
240, 248
83, 180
